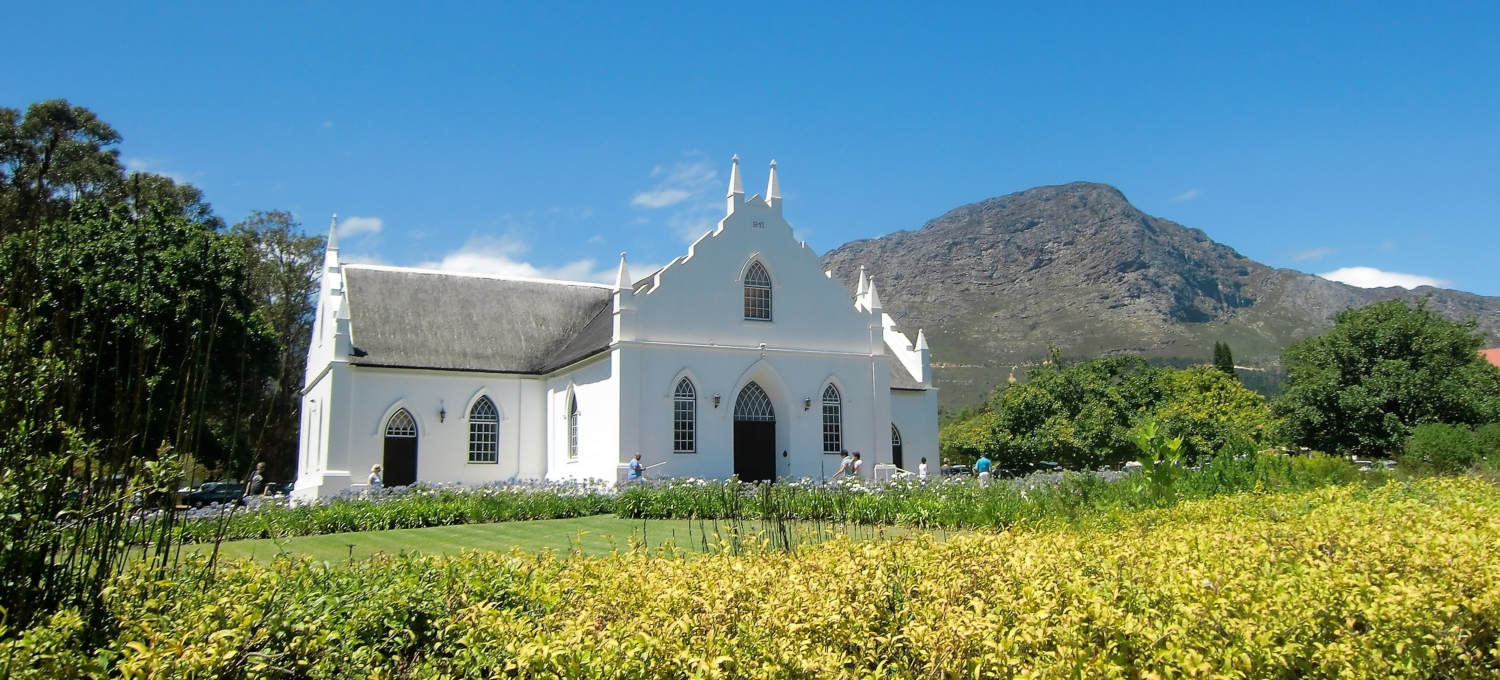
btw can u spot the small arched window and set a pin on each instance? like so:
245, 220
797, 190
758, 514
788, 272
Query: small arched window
684, 418
401, 425
484, 432
572, 427
757, 293
833, 420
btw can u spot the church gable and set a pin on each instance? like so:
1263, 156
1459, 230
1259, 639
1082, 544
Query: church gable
748, 282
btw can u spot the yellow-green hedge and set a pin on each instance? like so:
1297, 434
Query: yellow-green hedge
1401, 581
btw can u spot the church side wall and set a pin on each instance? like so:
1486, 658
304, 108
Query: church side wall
442, 440
595, 384
915, 415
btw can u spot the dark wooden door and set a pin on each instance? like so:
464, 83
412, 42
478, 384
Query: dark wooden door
755, 450
400, 465
896, 447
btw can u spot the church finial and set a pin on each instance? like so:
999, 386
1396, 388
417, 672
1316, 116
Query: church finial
622, 278
773, 189
864, 283
874, 298
736, 188
922, 341
333, 233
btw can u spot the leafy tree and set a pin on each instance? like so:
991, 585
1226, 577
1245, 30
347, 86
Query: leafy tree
1382, 370
282, 279
1440, 447
53, 155
1208, 409
1078, 415
1224, 358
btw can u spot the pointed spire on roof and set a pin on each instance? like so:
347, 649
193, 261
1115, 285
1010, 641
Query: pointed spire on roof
874, 297
622, 278
864, 283
922, 341
333, 233
736, 188
773, 190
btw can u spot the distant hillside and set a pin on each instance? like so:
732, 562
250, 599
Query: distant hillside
1077, 266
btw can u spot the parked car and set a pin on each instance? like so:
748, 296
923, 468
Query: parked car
956, 470
214, 492
279, 488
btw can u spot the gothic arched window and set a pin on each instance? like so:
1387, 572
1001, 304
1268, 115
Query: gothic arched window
484, 432
833, 420
684, 418
572, 427
757, 293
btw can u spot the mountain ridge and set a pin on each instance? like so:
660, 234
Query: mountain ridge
1076, 266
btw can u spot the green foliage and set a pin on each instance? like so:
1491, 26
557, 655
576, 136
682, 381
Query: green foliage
282, 276
419, 506
1224, 358
127, 341
1081, 415
1395, 581
1383, 370
1444, 448
1159, 460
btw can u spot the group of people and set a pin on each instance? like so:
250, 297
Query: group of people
850, 464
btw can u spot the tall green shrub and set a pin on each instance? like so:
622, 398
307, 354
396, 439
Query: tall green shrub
1440, 447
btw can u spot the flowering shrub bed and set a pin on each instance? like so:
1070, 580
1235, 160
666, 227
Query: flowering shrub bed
1350, 582
421, 505
961, 503
945, 502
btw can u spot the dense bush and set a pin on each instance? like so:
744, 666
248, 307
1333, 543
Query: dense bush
421, 505
1383, 370
1444, 448
962, 503
1081, 415
1337, 583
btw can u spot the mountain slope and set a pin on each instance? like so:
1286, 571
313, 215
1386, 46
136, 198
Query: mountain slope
1078, 267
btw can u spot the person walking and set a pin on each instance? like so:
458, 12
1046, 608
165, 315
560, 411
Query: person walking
922, 470
983, 466
374, 480
636, 468
858, 464
843, 465
257, 484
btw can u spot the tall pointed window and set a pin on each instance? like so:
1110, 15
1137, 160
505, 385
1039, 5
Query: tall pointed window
757, 293
572, 427
484, 432
684, 418
833, 420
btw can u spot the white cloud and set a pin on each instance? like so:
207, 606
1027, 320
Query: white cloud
354, 226
153, 166
501, 257
327, 124
1188, 195
1314, 254
661, 198
1370, 277
692, 189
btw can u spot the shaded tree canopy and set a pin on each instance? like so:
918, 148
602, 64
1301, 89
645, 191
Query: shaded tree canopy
1382, 370
1081, 415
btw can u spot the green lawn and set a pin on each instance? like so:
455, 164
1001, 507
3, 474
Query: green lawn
595, 535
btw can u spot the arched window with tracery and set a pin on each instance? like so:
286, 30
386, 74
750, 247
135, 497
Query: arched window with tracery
484, 432
684, 417
833, 420
757, 293
572, 427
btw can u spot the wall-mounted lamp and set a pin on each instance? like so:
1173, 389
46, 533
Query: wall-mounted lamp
442, 412
716, 401
807, 403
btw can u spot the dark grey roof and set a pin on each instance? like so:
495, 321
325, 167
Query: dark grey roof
416, 319
901, 379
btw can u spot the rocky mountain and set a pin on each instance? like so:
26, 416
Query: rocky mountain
1076, 266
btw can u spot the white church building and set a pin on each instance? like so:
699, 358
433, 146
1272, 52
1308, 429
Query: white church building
741, 357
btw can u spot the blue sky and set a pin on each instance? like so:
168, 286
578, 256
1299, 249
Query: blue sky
546, 139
